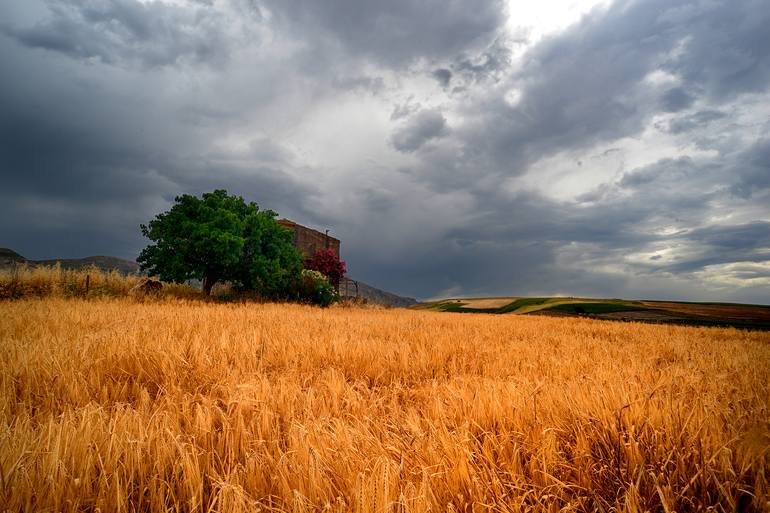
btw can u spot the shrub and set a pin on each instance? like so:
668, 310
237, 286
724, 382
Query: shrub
316, 289
328, 263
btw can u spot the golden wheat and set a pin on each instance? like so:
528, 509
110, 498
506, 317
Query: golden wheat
24, 281
178, 405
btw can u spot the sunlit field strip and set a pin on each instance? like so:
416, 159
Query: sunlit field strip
174, 405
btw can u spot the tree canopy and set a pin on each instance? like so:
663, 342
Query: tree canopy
221, 237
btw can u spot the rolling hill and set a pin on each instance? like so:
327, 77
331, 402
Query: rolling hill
348, 288
671, 312
10, 258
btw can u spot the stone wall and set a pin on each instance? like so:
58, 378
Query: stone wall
309, 241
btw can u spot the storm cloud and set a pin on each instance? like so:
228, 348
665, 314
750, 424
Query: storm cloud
624, 154
121, 32
418, 130
395, 33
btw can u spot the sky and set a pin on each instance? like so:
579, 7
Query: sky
456, 148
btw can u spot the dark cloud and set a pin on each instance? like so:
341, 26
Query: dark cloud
658, 172
693, 121
443, 75
590, 84
753, 171
86, 157
419, 129
722, 45
570, 96
529, 242
749, 236
129, 32
724, 244
489, 63
396, 32
581, 87
676, 99
336, 114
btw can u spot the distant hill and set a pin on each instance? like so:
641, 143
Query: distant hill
9, 258
373, 294
669, 312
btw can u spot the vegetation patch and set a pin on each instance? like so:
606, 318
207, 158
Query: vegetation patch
523, 302
596, 308
461, 307
711, 303
487, 302
670, 312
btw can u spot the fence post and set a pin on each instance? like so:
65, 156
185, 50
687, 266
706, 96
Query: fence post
88, 282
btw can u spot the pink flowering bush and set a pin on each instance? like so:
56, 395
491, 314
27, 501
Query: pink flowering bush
328, 264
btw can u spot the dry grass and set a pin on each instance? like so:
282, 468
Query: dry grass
54, 281
118, 405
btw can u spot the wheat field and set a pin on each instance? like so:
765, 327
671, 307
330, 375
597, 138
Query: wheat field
117, 404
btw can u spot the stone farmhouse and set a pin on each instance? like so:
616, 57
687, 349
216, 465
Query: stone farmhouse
309, 241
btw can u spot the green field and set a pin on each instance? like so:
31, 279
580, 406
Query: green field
534, 304
513, 306
596, 308
675, 312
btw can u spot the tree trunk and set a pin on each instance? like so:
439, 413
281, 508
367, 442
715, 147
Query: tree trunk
208, 282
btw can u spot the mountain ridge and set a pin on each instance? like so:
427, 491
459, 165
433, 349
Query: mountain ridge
9, 258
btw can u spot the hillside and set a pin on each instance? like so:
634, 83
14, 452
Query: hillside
668, 312
9, 258
373, 294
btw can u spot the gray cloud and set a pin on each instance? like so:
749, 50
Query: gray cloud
443, 75
396, 32
676, 99
129, 32
89, 152
490, 63
723, 46
722, 244
656, 173
696, 120
753, 171
335, 114
419, 129
404, 110
588, 84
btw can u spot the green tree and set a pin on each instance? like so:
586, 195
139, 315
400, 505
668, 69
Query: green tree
221, 237
270, 264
